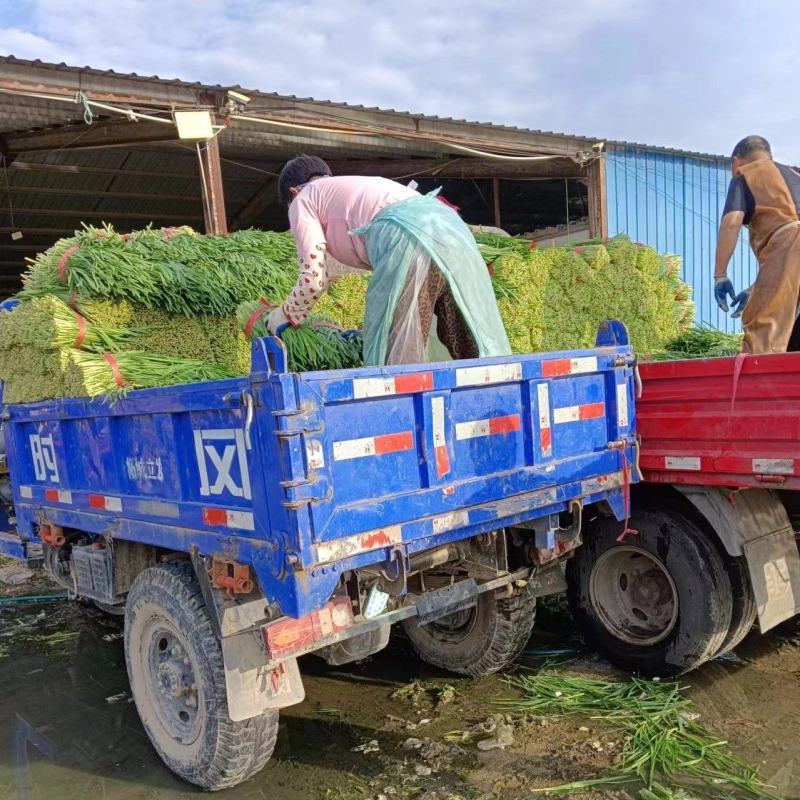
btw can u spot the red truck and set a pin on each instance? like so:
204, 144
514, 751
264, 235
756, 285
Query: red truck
714, 547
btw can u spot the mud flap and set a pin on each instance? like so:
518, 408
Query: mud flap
251, 687
754, 524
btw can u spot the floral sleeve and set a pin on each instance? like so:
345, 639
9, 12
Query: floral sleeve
311, 249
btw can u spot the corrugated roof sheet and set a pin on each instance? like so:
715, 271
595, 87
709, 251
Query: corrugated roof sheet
255, 93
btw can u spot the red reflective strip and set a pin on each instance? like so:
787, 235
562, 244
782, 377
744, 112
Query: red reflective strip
560, 366
81, 330
546, 438
420, 382
97, 501
51, 494
393, 443
112, 362
591, 411
442, 461
62, 262
254, 317
215, 516
507, 424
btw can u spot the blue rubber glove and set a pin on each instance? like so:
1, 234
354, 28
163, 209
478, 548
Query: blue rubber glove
723, 288
740, 301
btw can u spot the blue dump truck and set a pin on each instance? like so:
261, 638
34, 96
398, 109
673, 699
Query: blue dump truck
240, 524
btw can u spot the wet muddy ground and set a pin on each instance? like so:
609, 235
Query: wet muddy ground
389, 728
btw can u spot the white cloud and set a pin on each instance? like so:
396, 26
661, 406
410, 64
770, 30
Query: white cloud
686, 74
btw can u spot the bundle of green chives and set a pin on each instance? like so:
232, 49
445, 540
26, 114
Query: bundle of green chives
315, 345
48, 323
95, 374
171, 269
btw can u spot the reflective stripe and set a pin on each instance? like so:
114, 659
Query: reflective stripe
314, 454
682, 462
773, 466
229, 518
479, 376
400, 384
578, 413
337, 549
439, 441
488, 427
26, 492
545, 434
449, 522
569, 366
105, 503
622, 405
373, 445
58, 496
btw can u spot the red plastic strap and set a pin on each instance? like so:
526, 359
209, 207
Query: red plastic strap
255, 316
626, 482
62, 262
737, 372
112, 362
444, 200
79, 339
73, 302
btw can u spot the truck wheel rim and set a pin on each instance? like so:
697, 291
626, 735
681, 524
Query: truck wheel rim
633, 595
454, 628
172, 684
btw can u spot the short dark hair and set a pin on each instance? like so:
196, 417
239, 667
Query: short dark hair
750, 145
298, 171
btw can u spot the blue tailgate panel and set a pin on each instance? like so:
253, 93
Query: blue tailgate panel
306, 476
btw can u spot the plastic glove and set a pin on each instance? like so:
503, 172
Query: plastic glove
740, 301
723, 288
277, 321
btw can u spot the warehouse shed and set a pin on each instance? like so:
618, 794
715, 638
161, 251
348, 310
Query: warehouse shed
80, 145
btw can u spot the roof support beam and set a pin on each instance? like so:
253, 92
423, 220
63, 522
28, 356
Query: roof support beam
100, 194
78, 213
110, 133
255, 206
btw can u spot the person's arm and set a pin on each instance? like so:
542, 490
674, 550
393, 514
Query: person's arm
733, 216
313, 278
729, 229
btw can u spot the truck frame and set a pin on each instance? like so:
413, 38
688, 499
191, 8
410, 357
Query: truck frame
240, 524
716, 515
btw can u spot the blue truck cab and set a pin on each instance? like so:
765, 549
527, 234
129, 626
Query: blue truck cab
240, 524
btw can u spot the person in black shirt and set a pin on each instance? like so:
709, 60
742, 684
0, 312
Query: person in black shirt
765, 196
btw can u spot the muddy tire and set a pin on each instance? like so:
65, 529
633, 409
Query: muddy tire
480, 640
177, 680
745, 610
657, 604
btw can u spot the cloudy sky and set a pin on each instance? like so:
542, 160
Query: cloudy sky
694, 74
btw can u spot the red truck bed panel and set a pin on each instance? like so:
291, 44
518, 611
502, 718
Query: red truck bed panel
722, 421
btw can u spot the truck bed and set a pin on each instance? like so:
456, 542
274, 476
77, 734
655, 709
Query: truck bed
722, 422
304, 477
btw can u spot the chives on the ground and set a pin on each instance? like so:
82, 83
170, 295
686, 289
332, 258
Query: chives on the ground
664, 744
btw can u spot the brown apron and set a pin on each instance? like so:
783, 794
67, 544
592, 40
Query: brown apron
770, 312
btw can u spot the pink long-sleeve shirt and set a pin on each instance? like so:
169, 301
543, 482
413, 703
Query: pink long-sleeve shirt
321, 217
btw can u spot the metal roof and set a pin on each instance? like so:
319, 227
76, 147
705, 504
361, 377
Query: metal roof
50, 188
489, 127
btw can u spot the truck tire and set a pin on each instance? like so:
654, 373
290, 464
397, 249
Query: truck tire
659, 603
745, 610
480, 640
177, 679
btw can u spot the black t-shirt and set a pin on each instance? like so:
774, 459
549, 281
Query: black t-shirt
740, 198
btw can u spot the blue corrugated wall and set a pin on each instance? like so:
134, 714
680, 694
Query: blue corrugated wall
673, 202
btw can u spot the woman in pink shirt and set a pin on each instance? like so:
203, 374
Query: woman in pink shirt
423, 257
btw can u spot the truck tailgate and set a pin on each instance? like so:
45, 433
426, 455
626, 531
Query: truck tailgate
722, 422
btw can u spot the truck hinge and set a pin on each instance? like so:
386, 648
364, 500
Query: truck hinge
305, 420
302, 492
